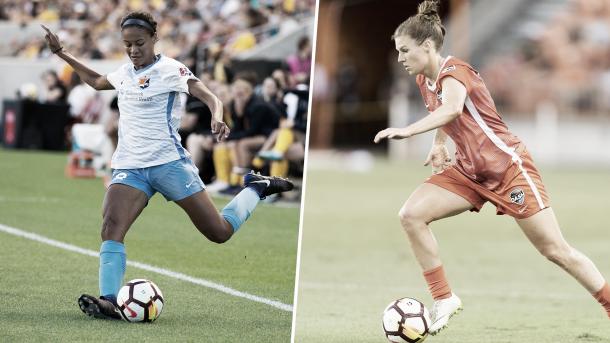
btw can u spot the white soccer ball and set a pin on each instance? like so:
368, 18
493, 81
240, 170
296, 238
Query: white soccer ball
140, 300
406, 320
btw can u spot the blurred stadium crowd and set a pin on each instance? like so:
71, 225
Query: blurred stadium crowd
88, 28
565, 62
267, 112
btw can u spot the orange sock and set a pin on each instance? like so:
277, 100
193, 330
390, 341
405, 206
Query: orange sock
437, 283
603, 297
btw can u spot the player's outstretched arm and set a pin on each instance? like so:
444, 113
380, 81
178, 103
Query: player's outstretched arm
454, 96
201, 92
89, 76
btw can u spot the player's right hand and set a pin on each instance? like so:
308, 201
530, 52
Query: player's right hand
438, 158
52, 39
220, 130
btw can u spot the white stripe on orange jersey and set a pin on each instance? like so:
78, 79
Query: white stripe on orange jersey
502, 146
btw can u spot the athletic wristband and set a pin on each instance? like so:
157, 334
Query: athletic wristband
57, 50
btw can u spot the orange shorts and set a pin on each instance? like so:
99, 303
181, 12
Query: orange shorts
520, 195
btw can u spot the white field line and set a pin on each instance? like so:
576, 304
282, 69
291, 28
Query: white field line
150, 268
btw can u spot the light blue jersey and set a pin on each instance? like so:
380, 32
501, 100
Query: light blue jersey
150, 109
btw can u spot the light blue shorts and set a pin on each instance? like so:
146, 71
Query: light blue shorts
176, 180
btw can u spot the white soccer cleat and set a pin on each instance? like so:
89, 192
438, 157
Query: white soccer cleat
442, 311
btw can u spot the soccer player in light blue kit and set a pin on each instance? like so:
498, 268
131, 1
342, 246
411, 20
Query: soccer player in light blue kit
149, 157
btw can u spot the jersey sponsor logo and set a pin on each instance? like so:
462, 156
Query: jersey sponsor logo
144, 82
517, 196
448, 69
130, 95
185, 72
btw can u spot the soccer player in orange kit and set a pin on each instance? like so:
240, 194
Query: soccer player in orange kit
491, 165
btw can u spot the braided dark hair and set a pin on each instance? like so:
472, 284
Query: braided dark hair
425, 24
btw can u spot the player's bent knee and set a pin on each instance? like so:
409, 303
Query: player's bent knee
560, 255
215, 233
220, 236
410, 219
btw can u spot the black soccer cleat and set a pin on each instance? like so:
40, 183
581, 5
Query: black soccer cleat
267, 185
98, 307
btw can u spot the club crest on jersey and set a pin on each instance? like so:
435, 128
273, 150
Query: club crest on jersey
517, 196
144, 82
185, 72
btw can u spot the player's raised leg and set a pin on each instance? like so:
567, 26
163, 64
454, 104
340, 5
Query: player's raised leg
543, 231
204, 215
122, 205
219, 227
429, 203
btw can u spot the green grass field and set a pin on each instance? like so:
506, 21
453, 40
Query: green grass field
355, 260
39, 284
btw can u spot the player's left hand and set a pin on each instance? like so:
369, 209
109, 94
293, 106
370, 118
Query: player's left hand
392, 133
438, 158
52, 40
220, 130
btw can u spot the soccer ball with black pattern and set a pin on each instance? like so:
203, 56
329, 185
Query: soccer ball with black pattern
406, 320
140, 300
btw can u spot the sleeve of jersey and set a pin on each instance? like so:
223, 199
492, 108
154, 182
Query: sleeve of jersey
177, 77
458, 72
114, 78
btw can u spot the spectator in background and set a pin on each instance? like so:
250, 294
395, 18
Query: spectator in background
111, 126
253, 120
196, 130
111, 129
221, 151
56, 92
287, 143
560, 63
280, 76
300, 63
272, 94
183, 25
221, 69
244, 41
85, 103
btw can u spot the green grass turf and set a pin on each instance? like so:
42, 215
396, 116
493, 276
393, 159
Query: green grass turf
39, 284
355, 260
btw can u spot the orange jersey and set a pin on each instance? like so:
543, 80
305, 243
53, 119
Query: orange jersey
484, 146
491, 163
520, 195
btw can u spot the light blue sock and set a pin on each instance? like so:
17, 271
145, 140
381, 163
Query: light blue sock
239, 209
112, 268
